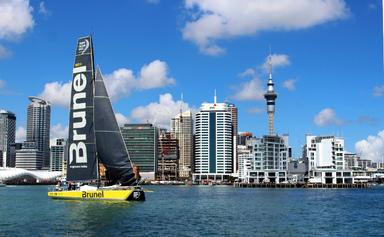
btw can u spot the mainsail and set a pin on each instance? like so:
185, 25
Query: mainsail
111, 149
82, 163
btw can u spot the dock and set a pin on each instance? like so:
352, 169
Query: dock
299, 185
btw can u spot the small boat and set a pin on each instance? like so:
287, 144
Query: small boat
2, 184
94, 136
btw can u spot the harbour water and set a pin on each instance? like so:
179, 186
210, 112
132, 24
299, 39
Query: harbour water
197, 211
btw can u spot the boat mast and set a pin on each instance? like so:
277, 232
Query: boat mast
93, 117
161, 152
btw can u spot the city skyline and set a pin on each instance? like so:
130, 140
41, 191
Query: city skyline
327, 71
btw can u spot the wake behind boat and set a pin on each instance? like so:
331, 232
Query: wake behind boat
94, 136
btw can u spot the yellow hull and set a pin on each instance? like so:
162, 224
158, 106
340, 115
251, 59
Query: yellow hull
116, 195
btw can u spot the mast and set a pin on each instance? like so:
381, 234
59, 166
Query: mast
162, 153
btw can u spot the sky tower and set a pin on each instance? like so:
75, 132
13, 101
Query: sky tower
270, 97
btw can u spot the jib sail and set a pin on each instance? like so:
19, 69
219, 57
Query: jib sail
111, 149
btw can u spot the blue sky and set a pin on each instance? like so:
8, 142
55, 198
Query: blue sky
327, 54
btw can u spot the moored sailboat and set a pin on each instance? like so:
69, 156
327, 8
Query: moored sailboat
94, 136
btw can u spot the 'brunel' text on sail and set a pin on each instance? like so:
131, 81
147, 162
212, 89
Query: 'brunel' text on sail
78, 146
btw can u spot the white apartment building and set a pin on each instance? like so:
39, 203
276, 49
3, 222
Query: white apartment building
270, 156
326, 160
324, 152
213, 142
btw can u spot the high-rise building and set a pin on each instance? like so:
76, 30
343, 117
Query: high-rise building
233, 110
7, 138
38, 126
182, 130
270, 159
324, 152
29, 157
213, 142
168, 160
59, 152
270, 96
141, 141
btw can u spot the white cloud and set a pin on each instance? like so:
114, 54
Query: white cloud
153, 1
366, 119
212, 20
57, 93
4, 52
212, 50
289, 84
160, 112
371, 148
20, 134
251, 90
277, 60
59, 131
154, 75
43, 10
120, 83
121, 119
327, 117
16, 18
255, 110
248, 72
378, 91
2, 84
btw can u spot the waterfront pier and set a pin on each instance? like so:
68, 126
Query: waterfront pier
300, 185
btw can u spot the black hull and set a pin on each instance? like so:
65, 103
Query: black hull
137, 195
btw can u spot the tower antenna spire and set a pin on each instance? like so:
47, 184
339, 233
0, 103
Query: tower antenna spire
182, 102
181, 107
215, 97
270, 62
